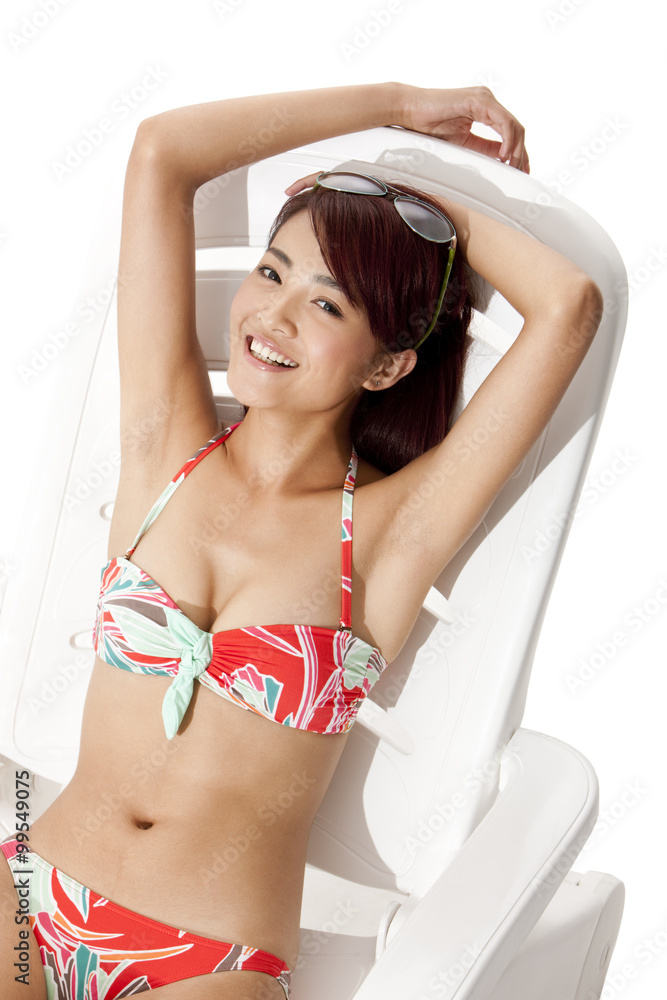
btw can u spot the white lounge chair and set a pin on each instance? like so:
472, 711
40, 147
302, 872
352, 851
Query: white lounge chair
439, 862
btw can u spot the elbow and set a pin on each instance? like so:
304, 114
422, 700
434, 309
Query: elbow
590, 305
581, 306
157, 146
152, 150
146, 137
154, 136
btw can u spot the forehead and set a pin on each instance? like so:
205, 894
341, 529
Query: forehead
298, 234
297, 249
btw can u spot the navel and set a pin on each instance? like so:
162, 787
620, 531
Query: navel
142, 824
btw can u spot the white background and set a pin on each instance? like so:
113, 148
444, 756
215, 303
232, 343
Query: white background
566, 69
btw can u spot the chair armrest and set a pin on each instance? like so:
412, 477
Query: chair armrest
456, 940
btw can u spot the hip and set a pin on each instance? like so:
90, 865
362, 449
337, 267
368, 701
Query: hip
230, 874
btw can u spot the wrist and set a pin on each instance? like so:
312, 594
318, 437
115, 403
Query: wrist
397, 99
400, 96
404, 96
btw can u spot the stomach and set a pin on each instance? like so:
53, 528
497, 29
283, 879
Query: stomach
208, 831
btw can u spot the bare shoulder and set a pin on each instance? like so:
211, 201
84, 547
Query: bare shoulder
145, 474
374, 515
395, 579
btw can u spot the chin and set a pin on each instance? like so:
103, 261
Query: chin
243, 393
237, 391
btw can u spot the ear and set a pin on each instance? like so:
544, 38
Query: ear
392, 368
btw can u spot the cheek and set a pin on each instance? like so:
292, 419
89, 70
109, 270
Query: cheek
240, 304
346, 371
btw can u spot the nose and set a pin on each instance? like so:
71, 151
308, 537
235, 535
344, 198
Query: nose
276, 314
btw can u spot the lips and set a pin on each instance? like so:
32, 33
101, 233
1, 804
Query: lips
280, 359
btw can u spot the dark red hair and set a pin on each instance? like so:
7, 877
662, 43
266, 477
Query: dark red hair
395, 276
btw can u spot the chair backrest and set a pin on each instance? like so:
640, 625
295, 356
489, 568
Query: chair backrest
421, 768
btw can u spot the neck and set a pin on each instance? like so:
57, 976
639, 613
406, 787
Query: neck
288, 453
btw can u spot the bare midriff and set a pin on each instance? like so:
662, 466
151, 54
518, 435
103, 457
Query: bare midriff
207, 831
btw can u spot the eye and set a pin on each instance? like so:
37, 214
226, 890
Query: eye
265, 267
332, 309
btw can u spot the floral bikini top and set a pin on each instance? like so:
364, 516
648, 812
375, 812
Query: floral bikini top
304, 676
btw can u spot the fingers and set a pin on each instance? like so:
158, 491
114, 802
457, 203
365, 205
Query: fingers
512, 147
517, 156
302, 183
489, 147
493, 149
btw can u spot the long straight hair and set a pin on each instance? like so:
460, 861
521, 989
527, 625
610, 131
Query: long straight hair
395, 276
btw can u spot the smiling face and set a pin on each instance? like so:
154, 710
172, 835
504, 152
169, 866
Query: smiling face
291, 303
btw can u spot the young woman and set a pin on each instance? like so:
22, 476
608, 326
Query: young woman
175, 856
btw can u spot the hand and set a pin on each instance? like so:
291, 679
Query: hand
450, 114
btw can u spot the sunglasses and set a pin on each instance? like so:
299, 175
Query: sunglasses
422, 218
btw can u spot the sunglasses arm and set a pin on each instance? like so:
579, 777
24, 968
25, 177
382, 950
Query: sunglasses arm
443, 289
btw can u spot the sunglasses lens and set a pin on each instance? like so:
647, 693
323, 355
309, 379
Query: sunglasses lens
425, 221
422, 219
353, 183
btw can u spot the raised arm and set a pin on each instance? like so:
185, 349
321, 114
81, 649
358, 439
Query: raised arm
562, 308
202, 141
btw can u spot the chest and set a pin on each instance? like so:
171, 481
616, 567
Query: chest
230, 558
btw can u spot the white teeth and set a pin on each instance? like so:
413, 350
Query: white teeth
267, 352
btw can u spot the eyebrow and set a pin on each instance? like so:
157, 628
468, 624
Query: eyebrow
320, 279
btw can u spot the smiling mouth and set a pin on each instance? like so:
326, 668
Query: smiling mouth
269, 356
